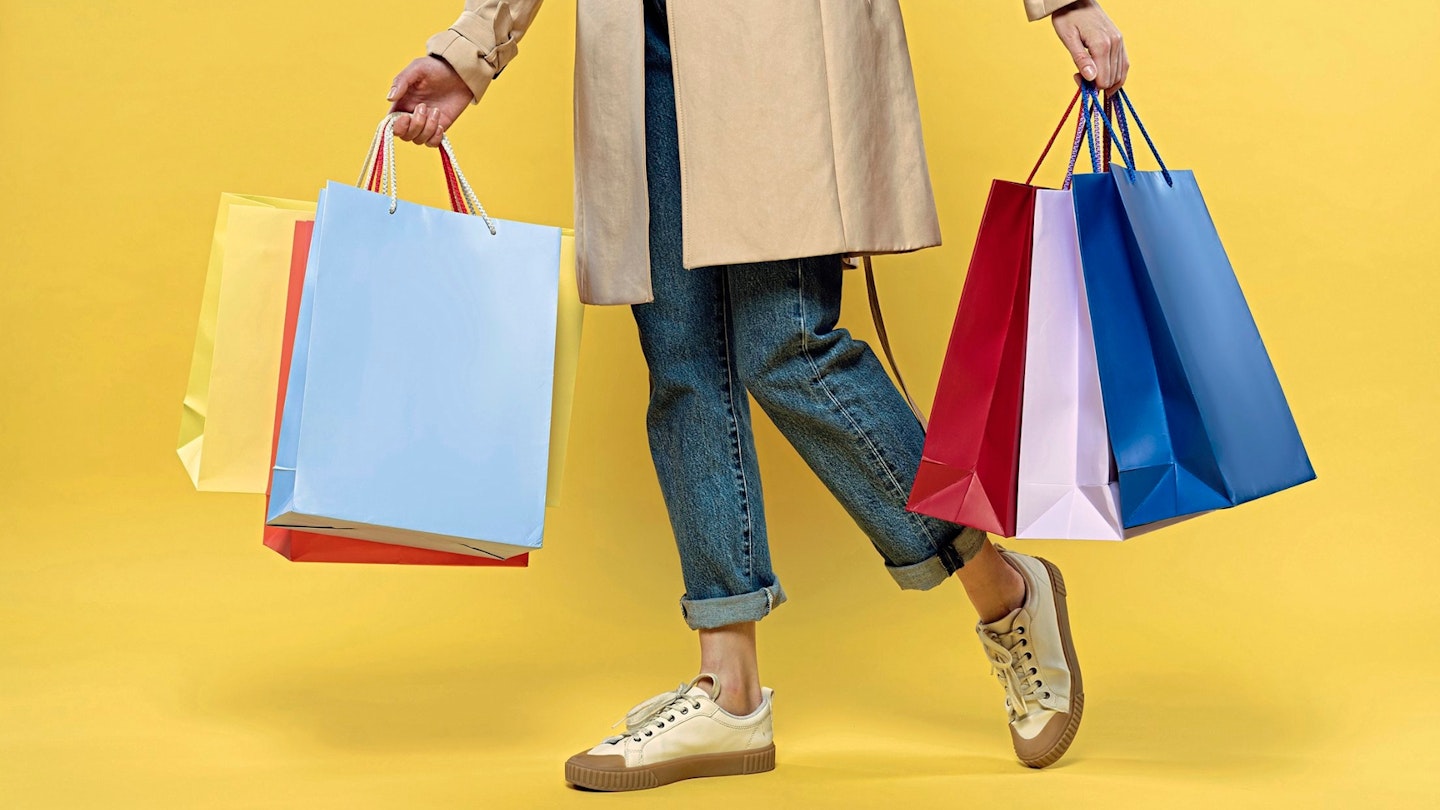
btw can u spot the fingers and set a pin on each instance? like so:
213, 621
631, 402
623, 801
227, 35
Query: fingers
1124, 66
1118, 60
1083, 60
423, 126
439, 135
1107, 48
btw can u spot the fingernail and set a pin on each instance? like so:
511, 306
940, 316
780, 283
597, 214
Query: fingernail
1089, 72
390, 96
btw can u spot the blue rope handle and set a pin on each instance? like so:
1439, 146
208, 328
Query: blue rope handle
1094, 108
1075, 148
1120, 116
1112, 104
1092, 102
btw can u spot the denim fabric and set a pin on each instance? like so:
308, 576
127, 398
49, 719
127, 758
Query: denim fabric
711, 335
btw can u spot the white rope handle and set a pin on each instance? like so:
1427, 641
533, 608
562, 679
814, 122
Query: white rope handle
383, 147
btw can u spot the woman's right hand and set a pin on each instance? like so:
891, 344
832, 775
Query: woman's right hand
1094, 43
433, 95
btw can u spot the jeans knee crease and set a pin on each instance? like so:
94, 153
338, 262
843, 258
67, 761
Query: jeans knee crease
855, 429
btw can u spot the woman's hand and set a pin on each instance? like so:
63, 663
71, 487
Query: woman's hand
1094, 43
433, 94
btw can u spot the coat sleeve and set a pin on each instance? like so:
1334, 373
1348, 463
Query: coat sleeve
1039, 9
485, 39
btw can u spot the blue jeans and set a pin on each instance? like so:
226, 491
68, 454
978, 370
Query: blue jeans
711, 335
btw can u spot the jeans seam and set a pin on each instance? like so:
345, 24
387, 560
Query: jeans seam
735, 442
856, 429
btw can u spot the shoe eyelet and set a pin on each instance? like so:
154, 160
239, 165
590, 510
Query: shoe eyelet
1028, 656
1047, 695
1024, 642
671, 718
685, 711
649, 734
1034, 671
662, 725
1039, 683
697, 705
1020, 631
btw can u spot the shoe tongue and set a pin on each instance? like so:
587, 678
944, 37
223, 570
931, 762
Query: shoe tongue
1004, 624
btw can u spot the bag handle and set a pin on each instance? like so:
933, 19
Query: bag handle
1074, 147
1127, 151
378, 172
1125, 133
879, 318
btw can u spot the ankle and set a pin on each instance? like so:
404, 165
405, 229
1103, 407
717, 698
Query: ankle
739, 691
995, 586
740, 703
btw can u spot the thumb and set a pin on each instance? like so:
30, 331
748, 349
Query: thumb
400, 86
1083, 62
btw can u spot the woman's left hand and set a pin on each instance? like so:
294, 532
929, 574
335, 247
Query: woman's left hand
1094, 43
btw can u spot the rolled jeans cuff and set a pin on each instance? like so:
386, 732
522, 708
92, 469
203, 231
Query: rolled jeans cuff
704, 614
935, 569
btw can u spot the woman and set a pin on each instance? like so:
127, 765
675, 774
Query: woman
775, 139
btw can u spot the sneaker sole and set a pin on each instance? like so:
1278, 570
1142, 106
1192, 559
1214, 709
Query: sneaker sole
730, 763
1077, 698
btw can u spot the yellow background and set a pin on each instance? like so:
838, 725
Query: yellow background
153, 654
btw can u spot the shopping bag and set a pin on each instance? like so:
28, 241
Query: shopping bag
302, 546
229, 402
569, 321
970, 462
1195, 412
1067, 487
417, 409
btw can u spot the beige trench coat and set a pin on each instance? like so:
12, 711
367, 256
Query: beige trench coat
799, 129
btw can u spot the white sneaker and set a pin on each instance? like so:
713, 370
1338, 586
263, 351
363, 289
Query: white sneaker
1033, 655
678, 735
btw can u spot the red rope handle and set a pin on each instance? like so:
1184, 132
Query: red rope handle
1053, 136
374, 182
452, 184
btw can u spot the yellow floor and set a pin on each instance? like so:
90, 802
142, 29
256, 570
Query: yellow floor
157, 656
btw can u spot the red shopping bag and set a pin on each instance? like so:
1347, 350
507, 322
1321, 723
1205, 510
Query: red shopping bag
299, 546
969, 468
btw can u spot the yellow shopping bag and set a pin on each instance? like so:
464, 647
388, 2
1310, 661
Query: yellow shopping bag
229, 411
568, 320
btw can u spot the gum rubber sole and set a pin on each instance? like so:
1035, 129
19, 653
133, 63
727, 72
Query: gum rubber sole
730, 763
1077, 699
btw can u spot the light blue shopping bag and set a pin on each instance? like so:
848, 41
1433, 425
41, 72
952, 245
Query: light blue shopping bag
1196, 414
419, 399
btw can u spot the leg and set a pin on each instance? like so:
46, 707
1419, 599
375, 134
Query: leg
699, 419
829, 395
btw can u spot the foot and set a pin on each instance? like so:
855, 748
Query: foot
1032, 654
678, 735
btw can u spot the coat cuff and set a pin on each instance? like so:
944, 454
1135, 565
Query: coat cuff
1040, 9
477, 48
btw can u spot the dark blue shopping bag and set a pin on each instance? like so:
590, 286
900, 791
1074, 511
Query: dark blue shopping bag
1196, 415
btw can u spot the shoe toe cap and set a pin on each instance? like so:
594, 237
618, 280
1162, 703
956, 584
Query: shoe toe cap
1052, 740
597, 762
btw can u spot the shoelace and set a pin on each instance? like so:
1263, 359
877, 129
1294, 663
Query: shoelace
1009, 665
659, 710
